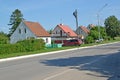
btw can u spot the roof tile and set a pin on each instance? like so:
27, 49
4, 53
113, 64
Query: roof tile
85, 29
37, 29
68, 30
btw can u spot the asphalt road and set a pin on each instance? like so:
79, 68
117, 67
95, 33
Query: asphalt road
94, 63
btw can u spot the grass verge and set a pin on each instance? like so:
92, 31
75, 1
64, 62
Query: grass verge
34, 52
52, 49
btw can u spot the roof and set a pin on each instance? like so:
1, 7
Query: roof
67, 30
91, 26
37, 29
85, 29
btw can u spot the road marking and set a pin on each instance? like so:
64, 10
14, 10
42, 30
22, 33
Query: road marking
57, 74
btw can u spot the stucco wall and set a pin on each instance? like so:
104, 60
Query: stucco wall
21, 34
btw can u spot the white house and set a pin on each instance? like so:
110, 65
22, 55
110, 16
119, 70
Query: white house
63, 32
27, 29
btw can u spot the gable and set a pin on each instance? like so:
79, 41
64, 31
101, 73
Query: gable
66, 29
84, 29
37, 29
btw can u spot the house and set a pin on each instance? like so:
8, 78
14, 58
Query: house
63, 32
90, 26
27, 29
82, 31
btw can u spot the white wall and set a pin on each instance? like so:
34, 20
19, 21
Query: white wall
47, 40
17, 36
56, 32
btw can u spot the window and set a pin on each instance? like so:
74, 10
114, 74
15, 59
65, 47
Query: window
46, 40
25, 30
61, 33
19, 31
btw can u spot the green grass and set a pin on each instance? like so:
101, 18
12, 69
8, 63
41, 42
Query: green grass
34, 52
52, 49
103, 42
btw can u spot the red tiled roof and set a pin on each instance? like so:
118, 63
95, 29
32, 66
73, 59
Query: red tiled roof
67, 30
85, 29
37, 29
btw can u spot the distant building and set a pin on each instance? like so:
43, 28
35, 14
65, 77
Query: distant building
90, 26
63, 32
82, 31
27, 30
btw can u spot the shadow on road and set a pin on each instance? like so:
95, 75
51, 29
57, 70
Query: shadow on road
107, 65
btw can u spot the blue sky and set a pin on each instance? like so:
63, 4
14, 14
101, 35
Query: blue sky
49, 13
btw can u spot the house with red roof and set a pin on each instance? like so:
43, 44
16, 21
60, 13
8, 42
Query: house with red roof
28, 29
63, 32
82, 31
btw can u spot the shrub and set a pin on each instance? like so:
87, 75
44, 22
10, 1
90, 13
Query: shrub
3, 39
89, 39
22, 46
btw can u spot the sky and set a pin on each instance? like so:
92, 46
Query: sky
50, 13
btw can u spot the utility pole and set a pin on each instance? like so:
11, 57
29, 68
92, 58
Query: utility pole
76, 17
98, 17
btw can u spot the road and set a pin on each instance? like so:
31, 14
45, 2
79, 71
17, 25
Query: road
94, 63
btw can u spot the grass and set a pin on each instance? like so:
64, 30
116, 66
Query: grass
34, 52
52, 49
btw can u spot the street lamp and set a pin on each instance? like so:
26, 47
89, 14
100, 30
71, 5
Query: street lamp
98, 17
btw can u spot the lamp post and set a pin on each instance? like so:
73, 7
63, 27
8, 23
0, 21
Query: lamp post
98, 17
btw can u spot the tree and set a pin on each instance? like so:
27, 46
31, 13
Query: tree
15, 20
89, 39
50, 31
112, 25
94, 34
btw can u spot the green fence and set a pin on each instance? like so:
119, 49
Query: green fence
53, 45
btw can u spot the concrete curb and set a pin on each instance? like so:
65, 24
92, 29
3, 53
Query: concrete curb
41, 54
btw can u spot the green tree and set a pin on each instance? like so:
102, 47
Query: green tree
94, 34
50, 31
112, 25
15, 20
89, 39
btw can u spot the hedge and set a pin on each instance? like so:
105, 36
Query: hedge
22, 46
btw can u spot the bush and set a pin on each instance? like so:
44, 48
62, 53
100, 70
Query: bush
3, 39
22, 46
89, 39
107, 38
